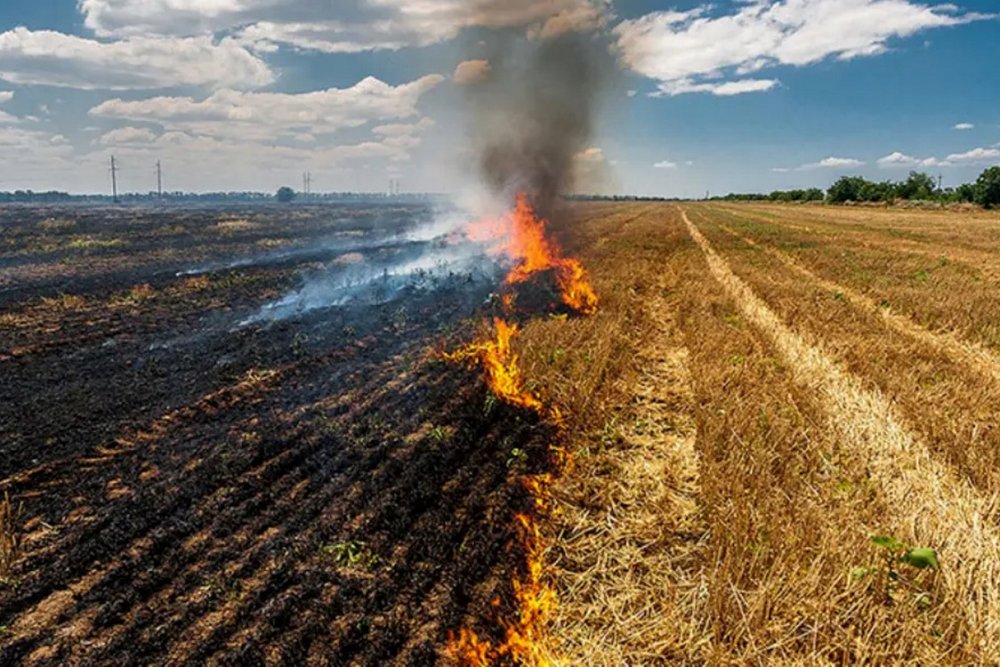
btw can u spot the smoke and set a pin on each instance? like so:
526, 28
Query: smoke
432, 253
533, 113
533, 102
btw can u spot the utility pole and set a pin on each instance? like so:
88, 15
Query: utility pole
114, 179
307, 179
159, 181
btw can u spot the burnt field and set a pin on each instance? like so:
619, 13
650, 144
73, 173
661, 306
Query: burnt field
357, 436
228, 437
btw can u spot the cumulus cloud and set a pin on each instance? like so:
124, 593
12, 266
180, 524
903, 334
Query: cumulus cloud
694, 51
224, 162
837, 162
45, 57
403, 135
964, 126
825, 163
720, 88
901, 160
472, 72
264, 116
353, 26
37, 153
665, 164
6, 96
127, 135
976, 155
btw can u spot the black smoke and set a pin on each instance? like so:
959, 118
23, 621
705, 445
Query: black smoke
535, 113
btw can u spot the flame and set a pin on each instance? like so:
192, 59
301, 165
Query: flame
535, 601
500, 367
521, 236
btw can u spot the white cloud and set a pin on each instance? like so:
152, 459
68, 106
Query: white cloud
838, 162
825, 163
8, 119
976, 155
51, 58
901, 160
218, 157
342, 26
399, 129
693, 51
38, 154
964, 126
665, 164
127, 135
240, 137
6, 96
403, 135
721, 88
472, 72
264, 116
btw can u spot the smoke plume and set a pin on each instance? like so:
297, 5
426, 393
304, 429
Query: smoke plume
534, 113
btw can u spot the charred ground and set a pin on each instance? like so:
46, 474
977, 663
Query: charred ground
321, 488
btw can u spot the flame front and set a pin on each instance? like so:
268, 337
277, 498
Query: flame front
521, 236
535, 601
500, 366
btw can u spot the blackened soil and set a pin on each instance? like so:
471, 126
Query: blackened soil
320, 490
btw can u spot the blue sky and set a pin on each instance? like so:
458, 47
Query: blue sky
728, 96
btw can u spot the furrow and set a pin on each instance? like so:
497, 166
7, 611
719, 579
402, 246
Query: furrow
969, 354
929, 504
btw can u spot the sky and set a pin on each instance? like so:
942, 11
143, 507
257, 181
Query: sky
728, 96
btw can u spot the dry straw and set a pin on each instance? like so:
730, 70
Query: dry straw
929, 504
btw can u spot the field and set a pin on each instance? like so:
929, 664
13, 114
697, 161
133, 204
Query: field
225, 443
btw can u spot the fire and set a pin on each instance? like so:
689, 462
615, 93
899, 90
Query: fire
522, 237
500, 367
535, 600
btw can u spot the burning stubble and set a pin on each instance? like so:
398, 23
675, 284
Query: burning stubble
533, 114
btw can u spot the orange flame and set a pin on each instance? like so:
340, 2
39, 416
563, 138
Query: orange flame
521, 236
500, 367
535, 601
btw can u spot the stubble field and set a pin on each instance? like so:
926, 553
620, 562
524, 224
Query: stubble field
762, 390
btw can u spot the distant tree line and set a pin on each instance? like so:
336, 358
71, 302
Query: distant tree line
918, 186
811, 194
